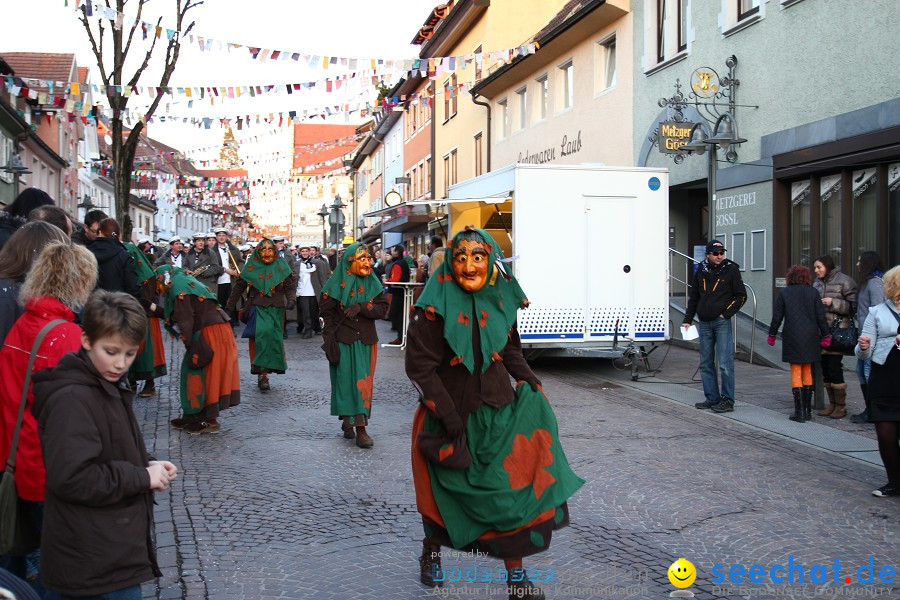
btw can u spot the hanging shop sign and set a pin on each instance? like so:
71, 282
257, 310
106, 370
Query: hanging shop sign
673, 135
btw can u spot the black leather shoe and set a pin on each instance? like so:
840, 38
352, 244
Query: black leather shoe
430, 572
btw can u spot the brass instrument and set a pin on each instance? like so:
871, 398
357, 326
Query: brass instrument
233, 261
197, 271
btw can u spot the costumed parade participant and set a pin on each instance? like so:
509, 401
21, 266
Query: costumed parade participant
352, 300
271, 288
210, 375
489, 471
151, 359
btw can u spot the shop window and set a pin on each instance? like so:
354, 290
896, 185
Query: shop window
758, 250
894, 213
738, 249
865, 209
800, 241
830, 211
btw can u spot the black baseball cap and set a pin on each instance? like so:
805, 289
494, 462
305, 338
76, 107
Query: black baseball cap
714, 246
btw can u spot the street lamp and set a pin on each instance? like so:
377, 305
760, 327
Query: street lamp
323, 214
336, 219
719, 129
14, 165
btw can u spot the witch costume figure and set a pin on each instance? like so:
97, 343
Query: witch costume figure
489, 471
210, 376
352, 300
151, 359
271, 288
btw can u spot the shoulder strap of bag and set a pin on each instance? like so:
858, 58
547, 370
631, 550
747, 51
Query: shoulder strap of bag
893, 312
11, 461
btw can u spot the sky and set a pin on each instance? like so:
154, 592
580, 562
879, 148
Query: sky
343, 28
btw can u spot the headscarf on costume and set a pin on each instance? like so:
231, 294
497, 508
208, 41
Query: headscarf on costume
347, 288
141, 264
262, 276
182, 285
494, 307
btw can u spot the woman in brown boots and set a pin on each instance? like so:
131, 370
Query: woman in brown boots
838, 293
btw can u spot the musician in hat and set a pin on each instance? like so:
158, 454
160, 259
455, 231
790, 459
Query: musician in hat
174, 255
203, 263
232, 264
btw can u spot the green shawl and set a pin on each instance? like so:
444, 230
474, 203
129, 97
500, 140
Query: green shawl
347, 288
494, 307
141, 264
182, 285
262, 276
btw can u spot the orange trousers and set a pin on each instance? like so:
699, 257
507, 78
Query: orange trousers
801, 374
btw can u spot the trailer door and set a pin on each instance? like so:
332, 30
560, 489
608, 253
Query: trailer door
608, 268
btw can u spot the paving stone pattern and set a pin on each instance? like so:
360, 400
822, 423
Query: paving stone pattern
280, 505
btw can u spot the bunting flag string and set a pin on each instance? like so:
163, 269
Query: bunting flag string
432, 67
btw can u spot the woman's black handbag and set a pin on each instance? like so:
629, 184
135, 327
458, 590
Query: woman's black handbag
843, 339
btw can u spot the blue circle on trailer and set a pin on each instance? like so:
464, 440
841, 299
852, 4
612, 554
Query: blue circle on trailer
654, 183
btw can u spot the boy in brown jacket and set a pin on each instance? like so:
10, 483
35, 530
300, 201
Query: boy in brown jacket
99, 506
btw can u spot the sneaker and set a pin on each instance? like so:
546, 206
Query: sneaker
706, 404
725, 405
199, 427
886, 491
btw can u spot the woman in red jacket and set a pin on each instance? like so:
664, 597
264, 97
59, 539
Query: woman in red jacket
59, 283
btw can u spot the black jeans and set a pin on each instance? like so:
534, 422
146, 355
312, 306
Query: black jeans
304, 313
832, 369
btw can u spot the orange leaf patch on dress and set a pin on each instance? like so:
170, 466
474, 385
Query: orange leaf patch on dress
483, 320
456, 360
463, 319
445, 452
444, 277
527, 461
364, 386
429, 313
495, 357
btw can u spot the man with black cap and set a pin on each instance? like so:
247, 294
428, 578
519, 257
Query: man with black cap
232, 263
717, 294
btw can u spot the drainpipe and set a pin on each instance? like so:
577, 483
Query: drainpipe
488, 137
433, 145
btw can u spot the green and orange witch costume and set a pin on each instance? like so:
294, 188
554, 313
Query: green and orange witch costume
210, 375
501, 487
270, 288
151, 359
351, 342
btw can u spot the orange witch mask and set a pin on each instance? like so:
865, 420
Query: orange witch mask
266, 252
470, 265
361, 264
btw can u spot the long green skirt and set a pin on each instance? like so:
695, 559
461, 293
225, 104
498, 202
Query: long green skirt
269, 340
519, 479
151, 360
351, 382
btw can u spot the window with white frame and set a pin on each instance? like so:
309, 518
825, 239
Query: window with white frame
666, 30
479, 144
453, 167
740, 13
747, 8
446, 186
543, 94
607, 63
758, 250
504, 118
522, 95
6, 145
478, 64
567, 84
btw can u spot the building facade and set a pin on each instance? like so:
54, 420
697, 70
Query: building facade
818, 173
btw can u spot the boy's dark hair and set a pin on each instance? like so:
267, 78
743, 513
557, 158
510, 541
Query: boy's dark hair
114, 313
94, 216
27, 200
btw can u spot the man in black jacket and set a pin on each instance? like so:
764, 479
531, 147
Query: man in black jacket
717, 294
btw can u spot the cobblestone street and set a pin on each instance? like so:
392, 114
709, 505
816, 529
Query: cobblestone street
280, 505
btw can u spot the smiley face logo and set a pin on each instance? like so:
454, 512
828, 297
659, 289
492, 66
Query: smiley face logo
682, 573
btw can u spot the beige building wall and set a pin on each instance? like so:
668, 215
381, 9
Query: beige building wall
595, 128
505, 24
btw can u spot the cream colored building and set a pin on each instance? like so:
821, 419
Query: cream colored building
473, 27
571, 102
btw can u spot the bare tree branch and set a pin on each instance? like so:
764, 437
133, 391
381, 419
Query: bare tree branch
140, 70
97, 50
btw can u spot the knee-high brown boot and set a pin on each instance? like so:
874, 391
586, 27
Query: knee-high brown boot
825, 412
840, 401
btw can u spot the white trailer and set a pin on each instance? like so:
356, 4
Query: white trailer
590, 247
